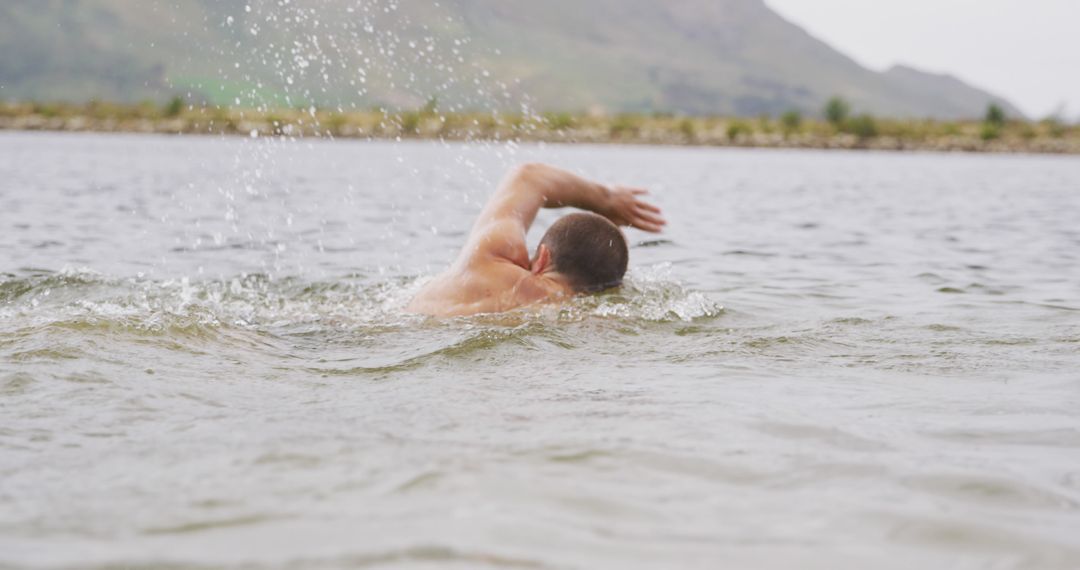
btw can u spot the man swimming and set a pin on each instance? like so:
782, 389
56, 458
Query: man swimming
581, 253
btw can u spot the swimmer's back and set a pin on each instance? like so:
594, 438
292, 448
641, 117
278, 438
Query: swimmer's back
473, 288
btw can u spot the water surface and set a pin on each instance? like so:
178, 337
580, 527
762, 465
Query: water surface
830, 360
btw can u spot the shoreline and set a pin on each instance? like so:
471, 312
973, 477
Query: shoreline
1014, 137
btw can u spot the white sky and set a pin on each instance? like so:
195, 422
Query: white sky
1027, 51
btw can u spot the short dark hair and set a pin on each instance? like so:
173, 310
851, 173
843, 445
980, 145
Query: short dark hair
588, 250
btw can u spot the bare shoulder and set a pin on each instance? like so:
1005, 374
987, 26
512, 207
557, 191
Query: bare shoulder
495, 243
470, 287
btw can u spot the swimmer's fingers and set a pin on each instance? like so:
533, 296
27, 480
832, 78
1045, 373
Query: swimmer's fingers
648, 227
648, 207
626, 209
647, 220
650, 224
651, 218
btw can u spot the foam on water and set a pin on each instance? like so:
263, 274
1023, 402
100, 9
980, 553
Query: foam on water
652, 294
257, 302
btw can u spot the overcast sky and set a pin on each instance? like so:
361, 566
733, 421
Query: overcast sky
1027, 51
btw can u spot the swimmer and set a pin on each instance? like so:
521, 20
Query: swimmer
583, 252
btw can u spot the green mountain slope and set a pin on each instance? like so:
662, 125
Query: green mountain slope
690, 56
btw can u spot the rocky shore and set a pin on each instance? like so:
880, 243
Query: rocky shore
864, 132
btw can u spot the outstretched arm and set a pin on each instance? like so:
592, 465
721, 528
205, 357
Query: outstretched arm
500, 231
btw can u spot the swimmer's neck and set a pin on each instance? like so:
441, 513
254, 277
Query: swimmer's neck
546, 286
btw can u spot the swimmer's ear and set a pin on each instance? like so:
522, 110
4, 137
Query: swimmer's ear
542, 261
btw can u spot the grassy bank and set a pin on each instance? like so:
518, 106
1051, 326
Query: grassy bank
838, 130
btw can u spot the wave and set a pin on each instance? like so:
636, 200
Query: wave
650, 294
85, 299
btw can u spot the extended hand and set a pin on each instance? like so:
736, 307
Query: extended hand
624, 208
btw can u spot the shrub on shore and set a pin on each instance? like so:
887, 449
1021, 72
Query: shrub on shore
174, 107
624, 126
791, 122
990, 132
737, 129
559, 121
993, 123
864, 126
410, 122
837, 111
995, 115
688, 130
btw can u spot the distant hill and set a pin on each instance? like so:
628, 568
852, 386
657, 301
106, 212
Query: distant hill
687, 56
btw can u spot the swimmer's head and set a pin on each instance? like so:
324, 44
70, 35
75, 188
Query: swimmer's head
587, 250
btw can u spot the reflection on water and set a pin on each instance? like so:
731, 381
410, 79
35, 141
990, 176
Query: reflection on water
864, 360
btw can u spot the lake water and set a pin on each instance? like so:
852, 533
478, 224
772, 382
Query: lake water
830, 360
